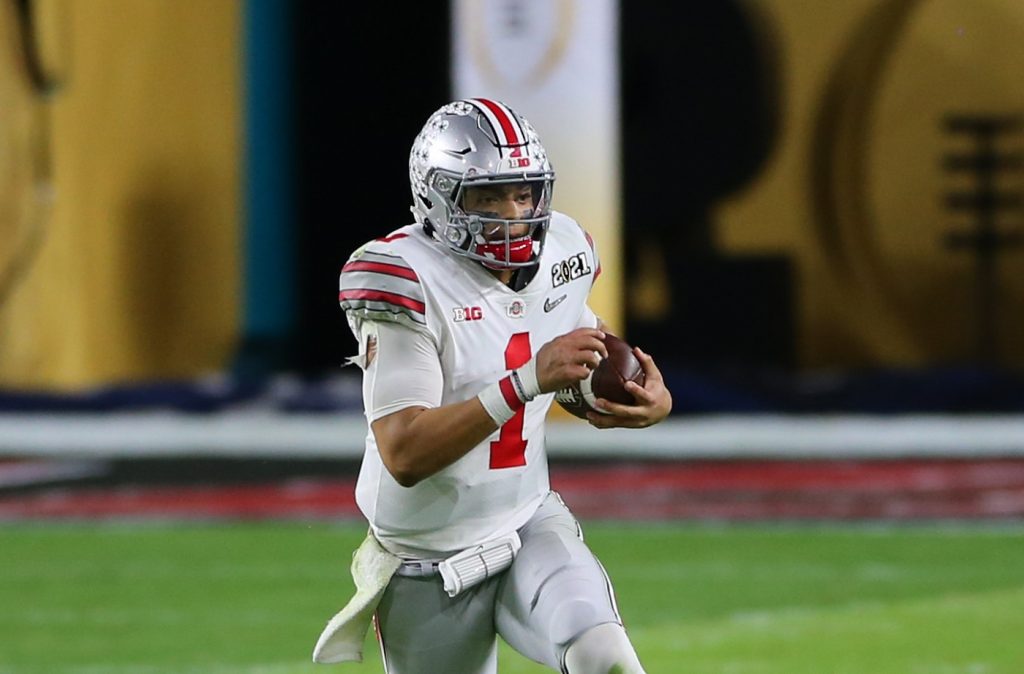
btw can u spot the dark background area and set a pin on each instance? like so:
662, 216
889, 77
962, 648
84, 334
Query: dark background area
700, 106
365, 81
699, 118
698, 121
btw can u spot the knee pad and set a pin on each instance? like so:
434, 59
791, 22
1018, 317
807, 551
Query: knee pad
571, 619
604, 649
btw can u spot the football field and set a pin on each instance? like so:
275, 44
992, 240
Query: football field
145, 598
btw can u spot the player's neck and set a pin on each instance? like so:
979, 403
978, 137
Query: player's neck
503, 275
516, 279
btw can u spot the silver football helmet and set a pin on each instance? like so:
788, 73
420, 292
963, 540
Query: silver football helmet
480, 142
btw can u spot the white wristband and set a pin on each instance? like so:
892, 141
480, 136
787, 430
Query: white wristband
526, 379
509, 394
501, 400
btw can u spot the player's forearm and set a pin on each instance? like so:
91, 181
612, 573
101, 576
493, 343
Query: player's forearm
417, 442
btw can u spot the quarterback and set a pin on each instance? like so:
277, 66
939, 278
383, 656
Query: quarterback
467, 322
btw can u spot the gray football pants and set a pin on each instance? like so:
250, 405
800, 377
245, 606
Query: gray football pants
554, 591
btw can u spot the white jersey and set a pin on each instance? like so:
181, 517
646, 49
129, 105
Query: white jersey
482, 329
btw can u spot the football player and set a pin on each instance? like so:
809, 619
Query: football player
468, 321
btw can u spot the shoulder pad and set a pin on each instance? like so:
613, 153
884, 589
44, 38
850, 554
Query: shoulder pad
378, 284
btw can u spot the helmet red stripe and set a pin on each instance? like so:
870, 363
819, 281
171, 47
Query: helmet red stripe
503, 118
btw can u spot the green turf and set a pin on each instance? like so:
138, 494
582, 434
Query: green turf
771, 599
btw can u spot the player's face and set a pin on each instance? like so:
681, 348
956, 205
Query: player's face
507, 202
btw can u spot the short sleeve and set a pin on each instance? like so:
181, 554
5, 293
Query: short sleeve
588, 319
404, 369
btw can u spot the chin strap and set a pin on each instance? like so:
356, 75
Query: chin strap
519, 251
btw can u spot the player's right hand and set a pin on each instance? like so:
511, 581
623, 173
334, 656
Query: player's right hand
567, 359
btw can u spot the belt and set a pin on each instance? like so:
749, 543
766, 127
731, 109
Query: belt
465, 569
417, 568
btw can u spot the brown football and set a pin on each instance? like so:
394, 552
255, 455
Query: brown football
606, 381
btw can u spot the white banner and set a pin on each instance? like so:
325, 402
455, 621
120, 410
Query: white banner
556, 62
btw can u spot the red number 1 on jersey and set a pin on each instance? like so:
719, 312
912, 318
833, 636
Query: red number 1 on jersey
509, 450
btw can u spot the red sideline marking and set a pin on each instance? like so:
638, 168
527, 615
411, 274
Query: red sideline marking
727, 490
794, 489
298, 498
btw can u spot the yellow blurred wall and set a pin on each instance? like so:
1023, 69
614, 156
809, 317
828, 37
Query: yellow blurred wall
854, 191
138, 274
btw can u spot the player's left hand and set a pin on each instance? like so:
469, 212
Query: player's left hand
653, 401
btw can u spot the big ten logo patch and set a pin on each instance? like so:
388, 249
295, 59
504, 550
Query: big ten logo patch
463, 314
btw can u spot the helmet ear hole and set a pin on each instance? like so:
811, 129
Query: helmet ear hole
457, 237
420, 209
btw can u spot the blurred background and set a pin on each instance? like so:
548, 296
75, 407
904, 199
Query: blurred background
809, 212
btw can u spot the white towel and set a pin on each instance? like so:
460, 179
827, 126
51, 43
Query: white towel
342, 640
